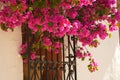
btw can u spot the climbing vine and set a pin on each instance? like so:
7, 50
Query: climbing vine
50, 20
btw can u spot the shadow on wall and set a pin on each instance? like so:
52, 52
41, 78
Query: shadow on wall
113, 71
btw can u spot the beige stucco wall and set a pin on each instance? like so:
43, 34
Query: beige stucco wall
108, 57
11, 67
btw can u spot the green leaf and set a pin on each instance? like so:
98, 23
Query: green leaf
83, 59
101, 12
31, 8
39, 3
112, 16
14, 8
36, 3
3, 27
54, 3
38, 33
24, 55
50, 24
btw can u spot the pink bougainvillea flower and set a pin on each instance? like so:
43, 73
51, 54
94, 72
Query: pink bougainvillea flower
57, 47
56, 50
25, 61
86, 2
75, 27
23, 48
93, 66
71, 13
94, 43
32, 56
47, 41
103, 35
65, 5
87, 54
113, 27
79, 54
32, 25
117, 15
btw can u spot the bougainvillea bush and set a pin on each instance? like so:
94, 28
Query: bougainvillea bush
50, 20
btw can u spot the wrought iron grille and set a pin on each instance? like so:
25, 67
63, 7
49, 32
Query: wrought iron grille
50, 66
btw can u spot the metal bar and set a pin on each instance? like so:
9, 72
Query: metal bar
28, 50
36, 76
40, 53
57, 66
34, 72
74, 42
32, 75
46, 66
63, 56
69, 56
52, 63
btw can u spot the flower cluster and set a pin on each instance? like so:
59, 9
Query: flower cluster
82, 54
50, 20
93, 66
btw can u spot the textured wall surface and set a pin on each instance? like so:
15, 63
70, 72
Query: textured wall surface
108, 57
11, 67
